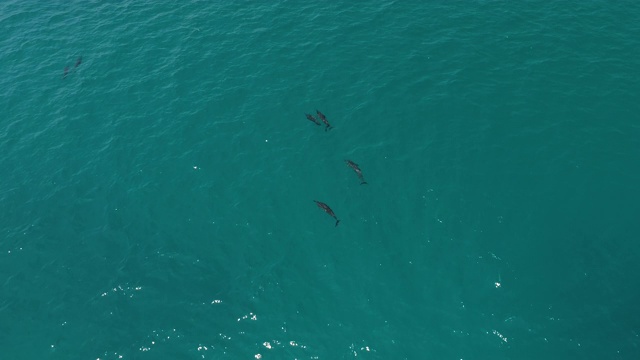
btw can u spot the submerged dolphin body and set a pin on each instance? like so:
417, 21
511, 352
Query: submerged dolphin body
327, 209
312, 118
356, 168
324, 120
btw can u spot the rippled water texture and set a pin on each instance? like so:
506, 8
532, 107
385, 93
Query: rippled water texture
156, 202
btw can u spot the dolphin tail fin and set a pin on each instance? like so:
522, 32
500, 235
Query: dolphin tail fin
337, 221
364, 183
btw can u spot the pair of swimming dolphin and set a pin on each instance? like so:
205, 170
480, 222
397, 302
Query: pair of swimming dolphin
66, 68
326, 207
322, 117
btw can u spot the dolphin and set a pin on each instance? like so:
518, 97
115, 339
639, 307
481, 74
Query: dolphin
312, 118
324, 120
356, 168
327, 209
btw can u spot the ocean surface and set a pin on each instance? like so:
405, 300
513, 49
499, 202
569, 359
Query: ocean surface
158, 173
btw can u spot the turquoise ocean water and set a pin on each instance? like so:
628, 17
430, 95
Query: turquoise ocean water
157, 201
